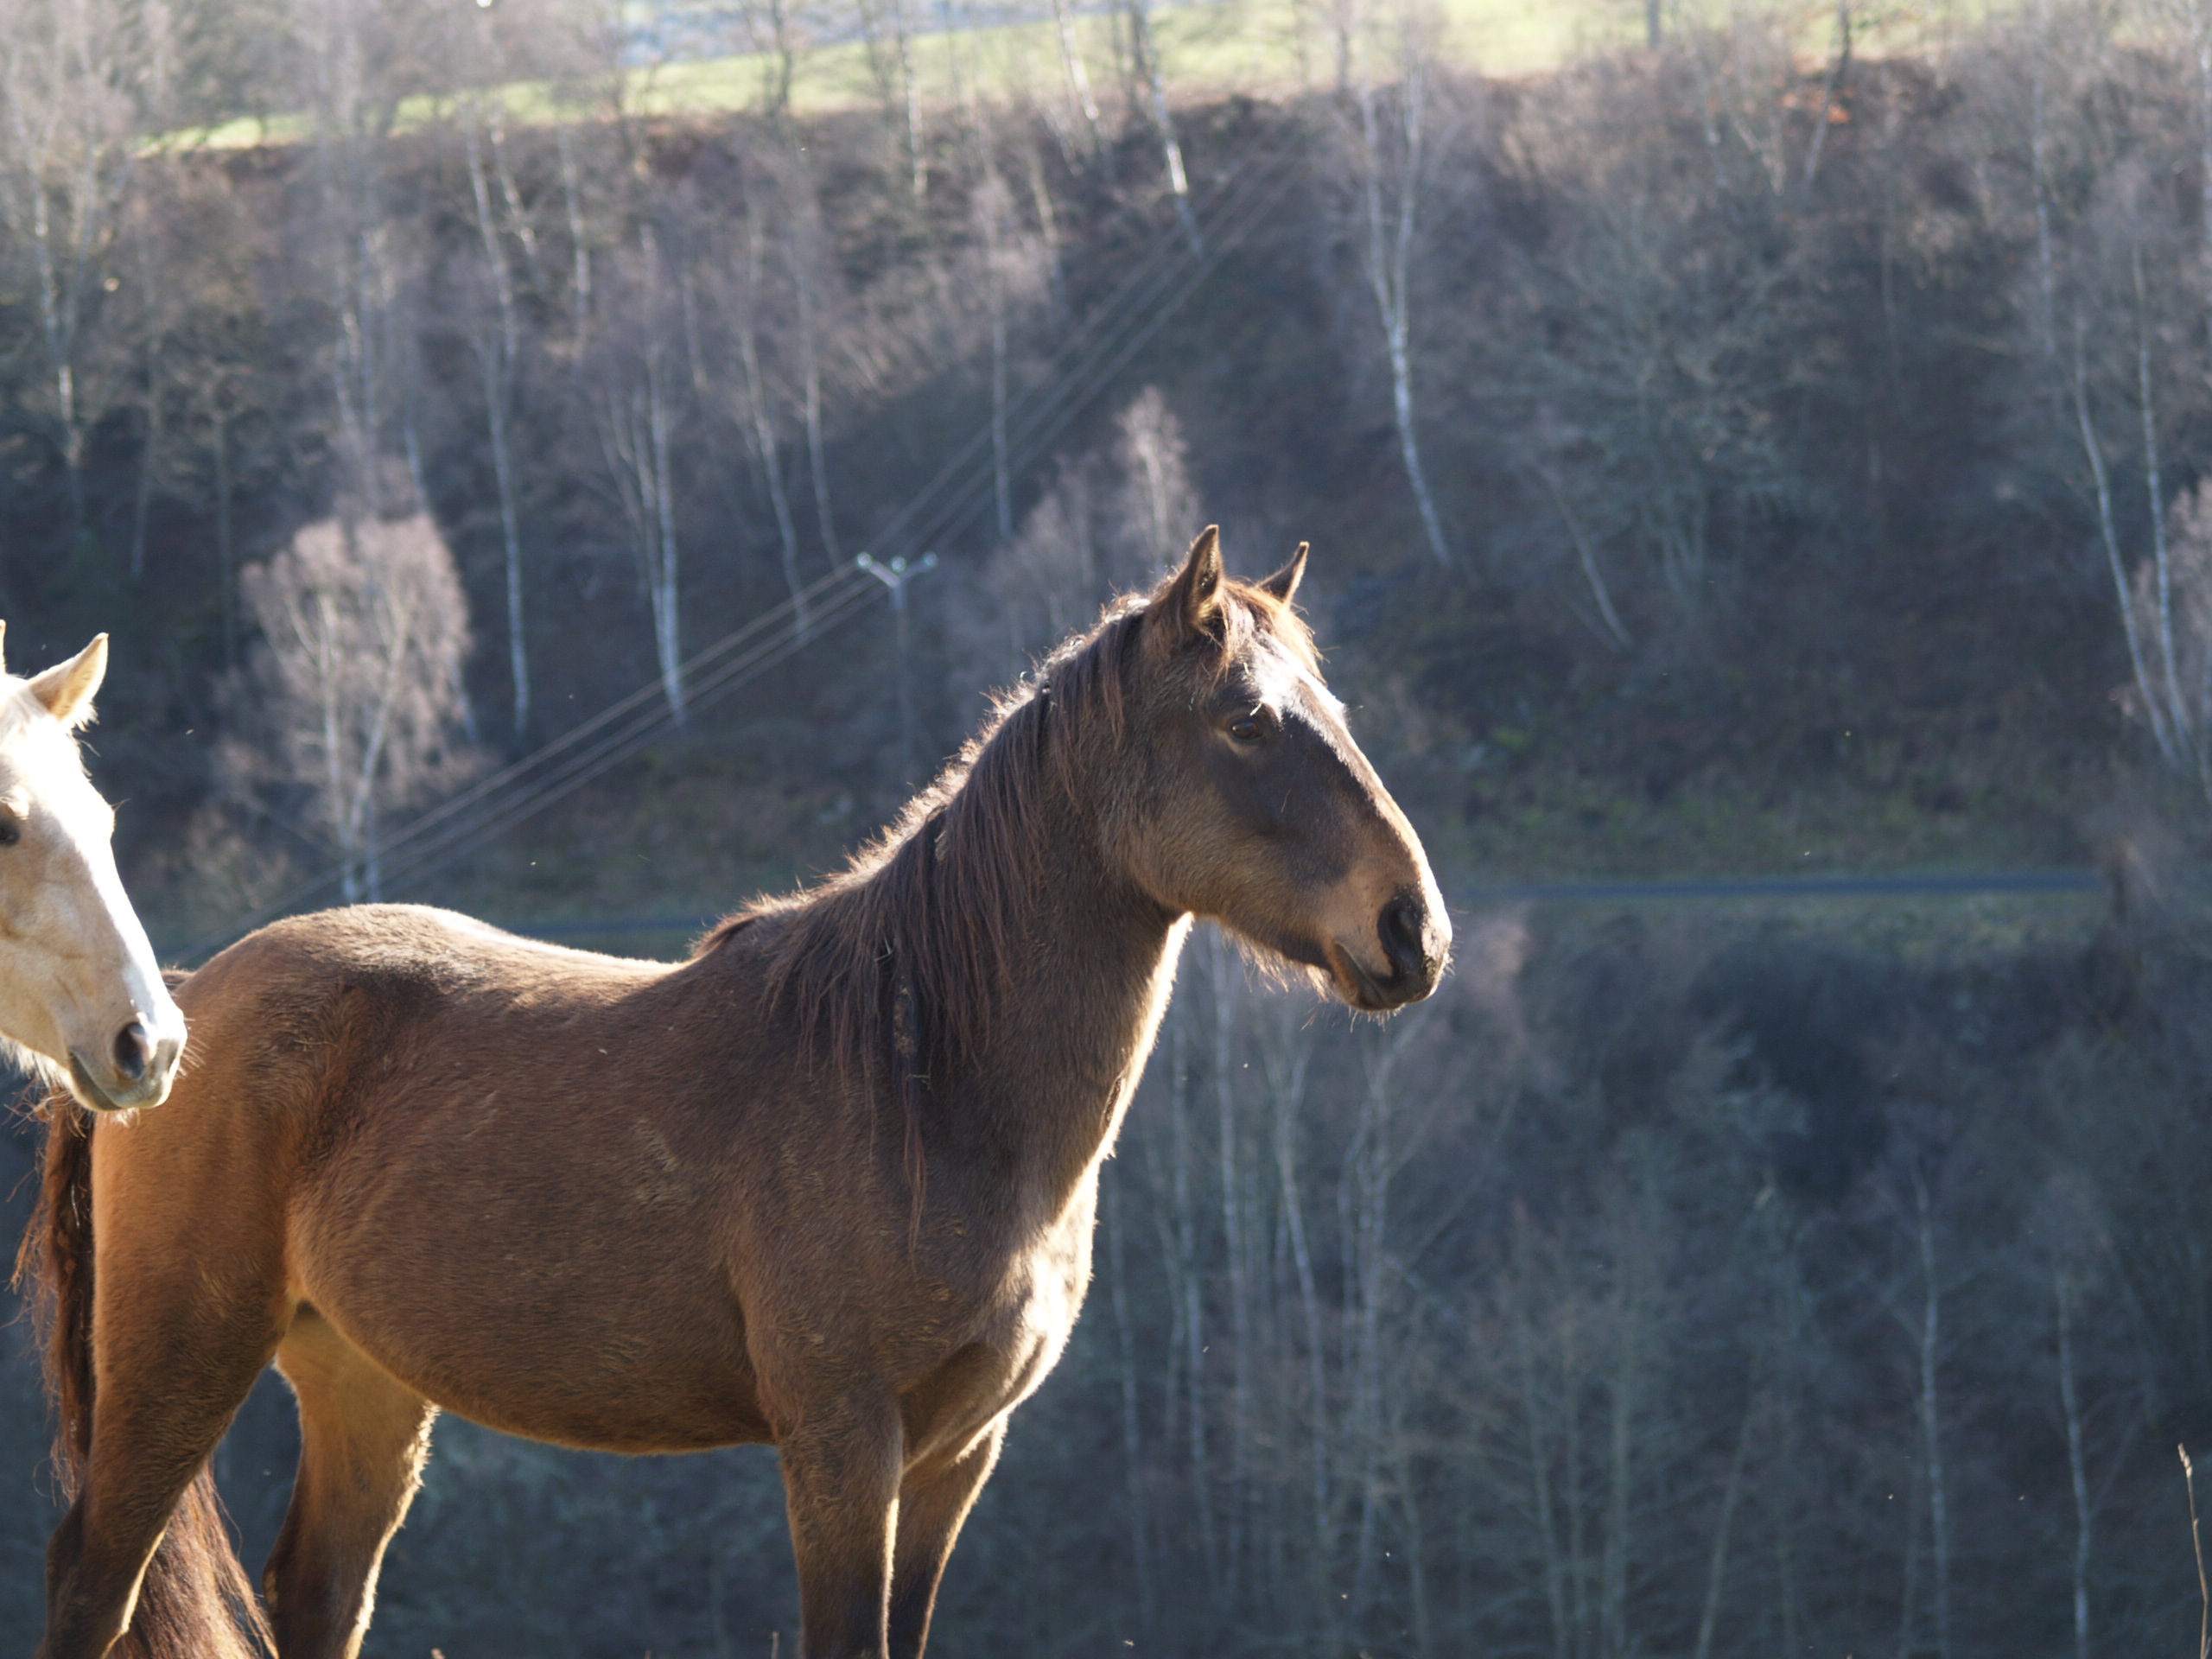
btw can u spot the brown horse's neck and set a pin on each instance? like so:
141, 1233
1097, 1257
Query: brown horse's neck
989, 965
990, 975
1092, 964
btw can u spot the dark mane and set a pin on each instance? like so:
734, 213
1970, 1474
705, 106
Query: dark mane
899, 962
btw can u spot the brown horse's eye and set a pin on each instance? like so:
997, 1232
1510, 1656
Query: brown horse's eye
1245, 728
11, 830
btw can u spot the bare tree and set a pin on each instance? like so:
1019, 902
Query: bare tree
365, 627
634, 407
1391, 170
2171, 593
1922, 1317
750, 303
1045, 581
775, 32
1154, 502
888, 37
1016, 263
498, 347
1662, 344
358, 75
1151, 73
812, 271
77, 78
1079, 77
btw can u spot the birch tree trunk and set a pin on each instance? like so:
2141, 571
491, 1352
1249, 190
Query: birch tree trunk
1132, 1419
810, 377
72, 74
1189, 1284
1627, 1381
2039, 176
2093, 450
631, 405
1225, 972
148, 459
1386, 255
1939, 1516
2177, 708
916, 155
2070, 1403
765, 450
1368, 1168
1716, 1566
572, 200
1286, 1061
992, 205
1079, 77
225, 553
1146, 47
2200, 17
497, 355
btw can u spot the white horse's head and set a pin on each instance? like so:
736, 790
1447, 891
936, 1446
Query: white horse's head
81, 998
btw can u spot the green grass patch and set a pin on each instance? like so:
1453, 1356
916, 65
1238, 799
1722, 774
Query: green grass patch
1247, 46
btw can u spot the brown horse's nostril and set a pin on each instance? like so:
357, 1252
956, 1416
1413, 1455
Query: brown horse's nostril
1400, 928
134, 1051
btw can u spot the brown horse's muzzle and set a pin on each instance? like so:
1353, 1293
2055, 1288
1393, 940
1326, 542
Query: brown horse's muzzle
1415, 939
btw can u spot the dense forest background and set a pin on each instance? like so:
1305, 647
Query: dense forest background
1754, 441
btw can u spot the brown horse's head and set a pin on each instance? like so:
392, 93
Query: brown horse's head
1254, 807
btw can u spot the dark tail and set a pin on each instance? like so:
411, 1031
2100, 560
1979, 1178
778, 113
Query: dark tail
196, 1602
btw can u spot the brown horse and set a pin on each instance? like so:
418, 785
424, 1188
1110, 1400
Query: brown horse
829, 1184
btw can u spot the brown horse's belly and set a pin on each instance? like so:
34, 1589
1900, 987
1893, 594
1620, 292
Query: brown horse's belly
578, 1306
546, 1370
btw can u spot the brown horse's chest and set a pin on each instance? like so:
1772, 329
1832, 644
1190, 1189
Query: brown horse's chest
995, 1320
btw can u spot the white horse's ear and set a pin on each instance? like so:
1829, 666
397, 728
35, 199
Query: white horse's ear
3, 656
67, 688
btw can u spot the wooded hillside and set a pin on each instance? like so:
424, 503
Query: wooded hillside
1776, 446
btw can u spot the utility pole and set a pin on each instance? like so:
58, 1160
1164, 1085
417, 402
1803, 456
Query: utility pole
895, 574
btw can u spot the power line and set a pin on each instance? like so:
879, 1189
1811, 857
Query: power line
619, 746
1131, 297
1046, 411
1115, 353
1102, 346
1121, 342
393, 852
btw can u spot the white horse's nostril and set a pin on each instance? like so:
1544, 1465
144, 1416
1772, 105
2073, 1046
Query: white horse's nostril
134, 1051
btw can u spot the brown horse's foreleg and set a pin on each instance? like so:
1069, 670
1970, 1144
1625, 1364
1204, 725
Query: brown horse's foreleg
932, 1503
841, 1481
166, 1391
363, 1441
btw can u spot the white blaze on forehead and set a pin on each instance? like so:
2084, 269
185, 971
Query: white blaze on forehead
1277, 674
1284, 684
1314, 688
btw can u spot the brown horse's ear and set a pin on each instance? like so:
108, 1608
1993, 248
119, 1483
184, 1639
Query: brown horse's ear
67, 688
1192, 602
1284, 583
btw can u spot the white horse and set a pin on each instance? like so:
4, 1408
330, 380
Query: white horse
81, 997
